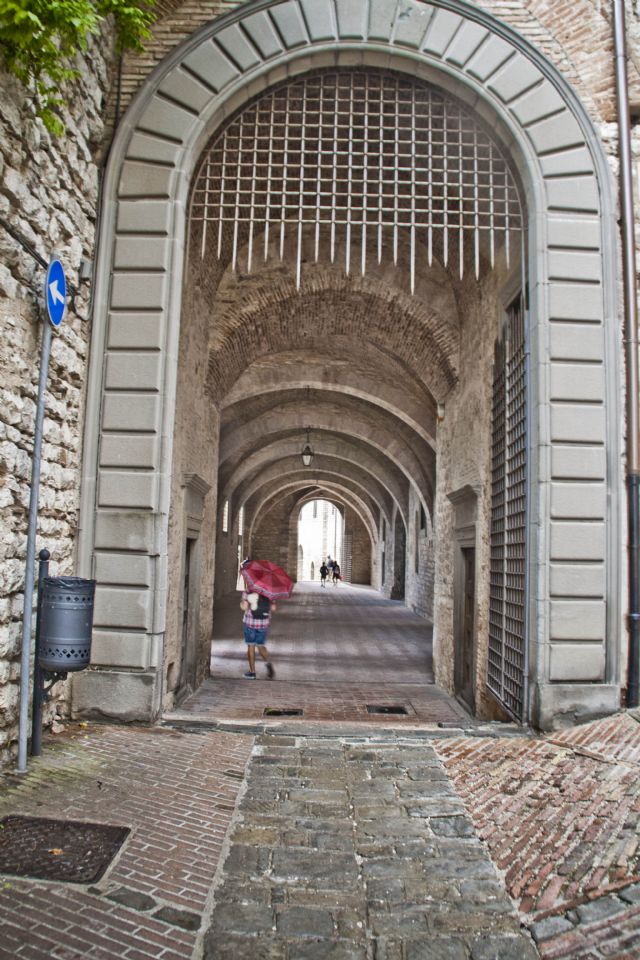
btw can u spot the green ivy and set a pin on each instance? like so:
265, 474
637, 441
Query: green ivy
39, 38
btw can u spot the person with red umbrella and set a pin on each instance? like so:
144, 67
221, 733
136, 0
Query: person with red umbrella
264, 582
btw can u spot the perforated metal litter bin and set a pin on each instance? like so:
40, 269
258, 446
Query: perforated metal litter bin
66, 622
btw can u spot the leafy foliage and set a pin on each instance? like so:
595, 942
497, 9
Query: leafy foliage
39, 38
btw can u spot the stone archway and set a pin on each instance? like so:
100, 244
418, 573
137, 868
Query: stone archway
128, 488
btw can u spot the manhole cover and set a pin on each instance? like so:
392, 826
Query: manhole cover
283, 712
388, 709
68, 851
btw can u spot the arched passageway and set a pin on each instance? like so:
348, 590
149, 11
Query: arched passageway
342, 654
341, 635
333, 338
321, 537
427, 297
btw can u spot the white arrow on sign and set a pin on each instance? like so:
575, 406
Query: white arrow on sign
56, 296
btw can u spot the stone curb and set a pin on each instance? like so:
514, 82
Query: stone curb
364, 731
584, 914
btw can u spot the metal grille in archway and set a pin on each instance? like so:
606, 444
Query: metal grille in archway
361, 160
507, 662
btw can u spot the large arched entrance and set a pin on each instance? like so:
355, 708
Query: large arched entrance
468, 394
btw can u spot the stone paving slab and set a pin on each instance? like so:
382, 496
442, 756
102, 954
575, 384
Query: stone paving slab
350, 870
607, 928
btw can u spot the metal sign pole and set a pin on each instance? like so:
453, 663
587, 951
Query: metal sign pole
39, 694
29, 577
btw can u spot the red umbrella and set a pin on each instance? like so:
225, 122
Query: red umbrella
266, 578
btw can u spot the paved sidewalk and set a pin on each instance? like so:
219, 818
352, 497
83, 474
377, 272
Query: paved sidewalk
376, 844
330, 635
177, 794
336, 651
350, 851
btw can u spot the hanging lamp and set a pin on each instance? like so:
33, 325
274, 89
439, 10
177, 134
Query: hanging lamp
307, 452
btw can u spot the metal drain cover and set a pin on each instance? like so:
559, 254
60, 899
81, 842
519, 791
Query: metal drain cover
67, 851
394, 709
283, 712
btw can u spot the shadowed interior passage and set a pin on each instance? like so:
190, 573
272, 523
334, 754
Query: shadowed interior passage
343, 634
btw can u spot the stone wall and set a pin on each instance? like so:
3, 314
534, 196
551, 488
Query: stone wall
360, 547
464, 438
48, 195
195, 455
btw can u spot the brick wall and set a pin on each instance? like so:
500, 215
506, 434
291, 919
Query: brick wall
271, 537
574, 34
420, 561
360, 546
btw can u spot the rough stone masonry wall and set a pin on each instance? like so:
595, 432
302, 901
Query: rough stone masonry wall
48, 192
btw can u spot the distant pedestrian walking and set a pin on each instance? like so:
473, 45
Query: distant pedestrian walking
336, 573
324, 570
256, 622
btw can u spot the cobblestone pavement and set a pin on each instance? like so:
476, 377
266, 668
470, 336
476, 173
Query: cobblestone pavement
377, 844
358, 851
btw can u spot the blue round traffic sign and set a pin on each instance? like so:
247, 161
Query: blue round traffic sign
55, 290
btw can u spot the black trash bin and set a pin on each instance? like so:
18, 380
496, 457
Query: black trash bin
66, 621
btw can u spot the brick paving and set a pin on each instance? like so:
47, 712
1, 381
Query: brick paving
354, 850
564, 832
176, 792
387, 845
